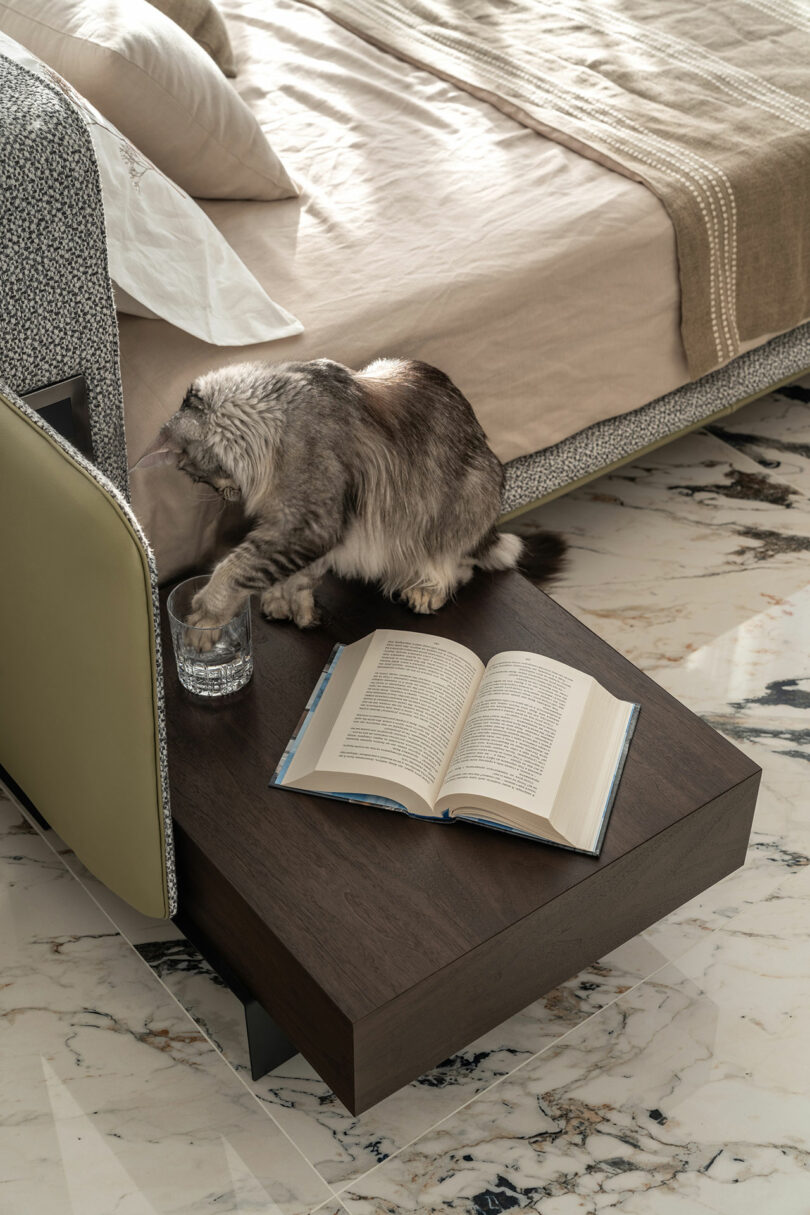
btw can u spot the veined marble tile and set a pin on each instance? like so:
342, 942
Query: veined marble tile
110, 1097
338, 1144
129, 922
203, 994
689, 1093
684, 545
752, 681
34, 893
780, 846
132, 924
658, 568
342, 1146
775, 432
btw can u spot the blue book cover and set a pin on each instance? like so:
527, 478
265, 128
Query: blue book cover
361, 799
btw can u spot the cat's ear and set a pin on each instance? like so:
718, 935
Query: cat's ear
192, 399
185, 425
167, 440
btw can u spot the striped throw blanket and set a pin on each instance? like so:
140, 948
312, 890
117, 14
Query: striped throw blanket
707, 104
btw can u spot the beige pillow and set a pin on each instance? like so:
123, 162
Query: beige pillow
162, 91
206, 25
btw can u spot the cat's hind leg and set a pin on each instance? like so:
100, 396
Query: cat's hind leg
441, 578
436, 583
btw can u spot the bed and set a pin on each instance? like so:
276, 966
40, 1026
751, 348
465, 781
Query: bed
432, 225
451, 208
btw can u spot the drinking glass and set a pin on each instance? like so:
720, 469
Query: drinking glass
210, 662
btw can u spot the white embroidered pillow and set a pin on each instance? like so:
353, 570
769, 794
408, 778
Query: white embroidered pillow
162, 248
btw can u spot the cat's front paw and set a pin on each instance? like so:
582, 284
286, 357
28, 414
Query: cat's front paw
275, 604
304, 611
281, 603
209, 623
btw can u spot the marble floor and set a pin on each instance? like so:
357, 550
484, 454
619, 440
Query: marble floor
671, 1077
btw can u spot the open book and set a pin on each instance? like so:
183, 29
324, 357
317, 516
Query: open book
417, 723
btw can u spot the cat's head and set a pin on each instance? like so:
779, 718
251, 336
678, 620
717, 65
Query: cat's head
218, 436
201, 453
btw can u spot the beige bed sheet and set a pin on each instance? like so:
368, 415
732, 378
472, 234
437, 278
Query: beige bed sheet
707, 105
429, 225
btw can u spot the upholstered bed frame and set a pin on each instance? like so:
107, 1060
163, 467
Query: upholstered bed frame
81, 704
81, 686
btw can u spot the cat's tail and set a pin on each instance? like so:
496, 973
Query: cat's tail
539, 556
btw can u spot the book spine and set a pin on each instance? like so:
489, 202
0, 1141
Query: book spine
303, 722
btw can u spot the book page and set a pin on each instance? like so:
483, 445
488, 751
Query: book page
589, 783
519, 732
405, 710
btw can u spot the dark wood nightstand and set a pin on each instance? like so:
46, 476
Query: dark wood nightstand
379, 944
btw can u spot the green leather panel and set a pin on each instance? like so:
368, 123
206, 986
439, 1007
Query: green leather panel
78, 707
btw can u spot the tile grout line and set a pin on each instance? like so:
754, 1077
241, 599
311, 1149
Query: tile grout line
262, 1105
322, 1206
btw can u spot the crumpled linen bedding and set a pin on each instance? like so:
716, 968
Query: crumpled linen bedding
429, 225
708, 105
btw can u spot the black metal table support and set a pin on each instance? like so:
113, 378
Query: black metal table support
268, 1046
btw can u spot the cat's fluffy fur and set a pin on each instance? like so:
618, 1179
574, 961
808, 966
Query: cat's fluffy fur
382, 474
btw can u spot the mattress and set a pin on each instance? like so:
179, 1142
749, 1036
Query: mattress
429, 225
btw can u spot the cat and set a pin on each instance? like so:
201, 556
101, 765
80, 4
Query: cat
382, 474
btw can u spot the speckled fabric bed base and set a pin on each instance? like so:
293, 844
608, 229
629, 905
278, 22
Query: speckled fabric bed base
545, 474
57, 317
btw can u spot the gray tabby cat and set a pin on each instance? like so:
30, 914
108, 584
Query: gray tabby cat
382, 474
